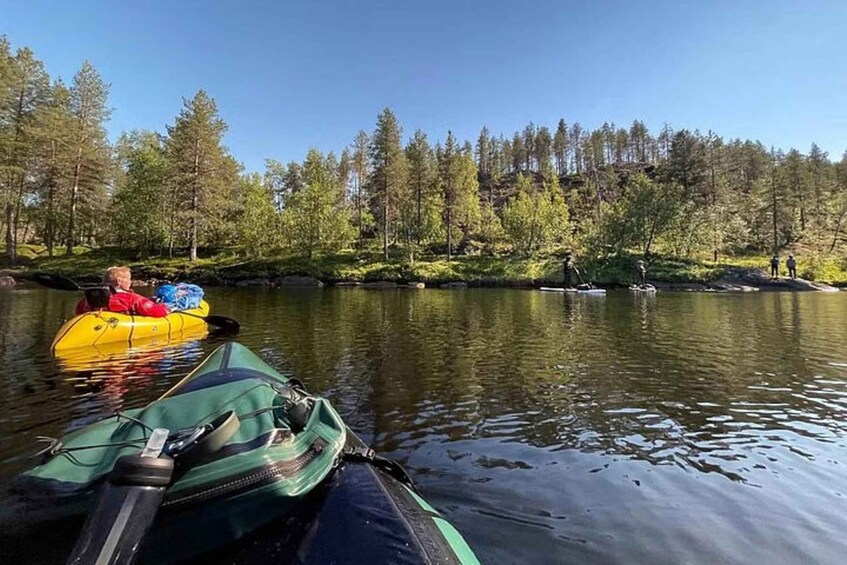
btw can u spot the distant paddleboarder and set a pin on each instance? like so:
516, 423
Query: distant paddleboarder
640, 273
569, 270
775, 267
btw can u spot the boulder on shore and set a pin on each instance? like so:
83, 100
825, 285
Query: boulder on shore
380, 284
6, 281
759, 279
416, 285
297, 280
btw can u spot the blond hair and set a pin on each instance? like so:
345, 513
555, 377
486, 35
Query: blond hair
115, 275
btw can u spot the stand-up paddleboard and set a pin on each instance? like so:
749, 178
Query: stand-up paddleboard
573, 290
647, 288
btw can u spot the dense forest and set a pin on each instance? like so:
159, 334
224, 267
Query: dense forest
543, 189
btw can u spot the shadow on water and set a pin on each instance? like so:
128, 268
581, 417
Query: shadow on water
549, 428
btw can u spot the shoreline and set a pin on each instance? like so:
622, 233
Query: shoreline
369, 269
749, 281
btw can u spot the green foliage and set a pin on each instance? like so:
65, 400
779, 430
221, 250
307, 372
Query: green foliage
139, 204
317, 218
259, 226
536, 217
643, 214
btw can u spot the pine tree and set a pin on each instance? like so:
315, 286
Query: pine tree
561, 148
483, 152
447, 171
423, 184
508, 156
89, 113
460, 189
201, 172
687, 162
519, 153
345, 169
54, 126
360, 163
576, 135
529, 146
387, 181
24, 90
638, 138
543, 148
274, 180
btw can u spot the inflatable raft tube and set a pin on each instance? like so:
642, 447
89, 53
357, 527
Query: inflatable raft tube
312, 489
101, 327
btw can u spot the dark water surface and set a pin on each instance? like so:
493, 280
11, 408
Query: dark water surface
627, 429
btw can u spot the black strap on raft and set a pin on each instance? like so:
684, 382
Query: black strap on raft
365, 454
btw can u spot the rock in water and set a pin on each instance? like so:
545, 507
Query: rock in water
7, 282
295, 280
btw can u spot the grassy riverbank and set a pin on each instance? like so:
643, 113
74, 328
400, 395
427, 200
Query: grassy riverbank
226, 268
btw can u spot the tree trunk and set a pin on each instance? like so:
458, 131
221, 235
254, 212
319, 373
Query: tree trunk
385, 217
13, 211
50, 223
837, 229
773, 192
193, 252
418, 225
10, 243
449, 233
802, 213
359, 206
16, 222
69, 249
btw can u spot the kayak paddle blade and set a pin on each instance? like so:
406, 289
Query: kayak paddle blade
224, 325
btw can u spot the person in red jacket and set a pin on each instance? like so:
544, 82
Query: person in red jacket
122, 299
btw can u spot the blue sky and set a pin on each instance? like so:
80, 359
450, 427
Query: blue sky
288, 76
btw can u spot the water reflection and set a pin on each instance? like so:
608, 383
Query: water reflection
668, 428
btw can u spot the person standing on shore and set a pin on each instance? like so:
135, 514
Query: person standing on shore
775, 267
792, 267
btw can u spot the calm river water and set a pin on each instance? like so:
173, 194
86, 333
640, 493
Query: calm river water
678, 428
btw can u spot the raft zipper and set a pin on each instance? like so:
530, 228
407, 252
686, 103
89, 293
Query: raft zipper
250, 480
